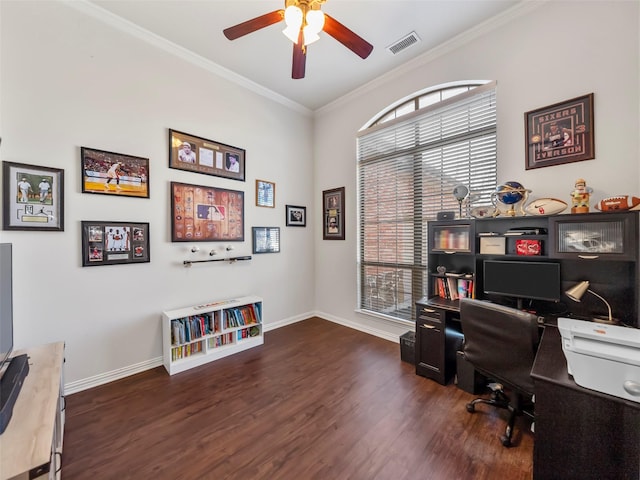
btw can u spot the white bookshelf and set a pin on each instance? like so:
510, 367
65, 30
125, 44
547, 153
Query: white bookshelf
199, 334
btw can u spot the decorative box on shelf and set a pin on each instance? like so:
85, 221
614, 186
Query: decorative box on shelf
492, 245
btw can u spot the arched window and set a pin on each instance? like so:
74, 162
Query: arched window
410, 158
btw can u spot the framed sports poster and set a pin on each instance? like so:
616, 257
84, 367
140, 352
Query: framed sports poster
109, 173
114, 243
333, 203
560, 133
200, 155
33, 197
206, 214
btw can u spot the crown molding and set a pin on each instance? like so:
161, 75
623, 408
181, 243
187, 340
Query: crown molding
126, 26
522, 8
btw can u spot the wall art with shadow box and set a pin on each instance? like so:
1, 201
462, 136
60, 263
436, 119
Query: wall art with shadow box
33, 197
109, 173
333, 217
206, 214
114, 243
200, 155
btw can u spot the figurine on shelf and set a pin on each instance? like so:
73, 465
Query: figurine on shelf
580, 197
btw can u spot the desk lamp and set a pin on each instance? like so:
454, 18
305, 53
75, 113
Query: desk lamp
576, 292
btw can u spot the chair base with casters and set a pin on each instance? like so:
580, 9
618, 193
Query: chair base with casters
500, 399
501, 343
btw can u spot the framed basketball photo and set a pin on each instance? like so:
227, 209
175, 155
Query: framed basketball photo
110, 173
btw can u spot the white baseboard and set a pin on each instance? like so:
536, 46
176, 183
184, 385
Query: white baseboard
358, 326
101, 379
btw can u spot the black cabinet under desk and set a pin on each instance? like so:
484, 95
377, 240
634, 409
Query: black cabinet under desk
580, 434
438, 338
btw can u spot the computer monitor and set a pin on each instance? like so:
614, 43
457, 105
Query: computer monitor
533, 280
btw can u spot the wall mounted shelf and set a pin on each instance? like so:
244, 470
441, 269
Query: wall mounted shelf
187, 263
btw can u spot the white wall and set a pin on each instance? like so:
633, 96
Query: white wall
69, 80
546, 53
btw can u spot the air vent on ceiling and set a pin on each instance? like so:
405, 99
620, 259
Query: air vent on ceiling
403, 43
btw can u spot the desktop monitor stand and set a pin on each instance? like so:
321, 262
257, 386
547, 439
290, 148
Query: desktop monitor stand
10, 385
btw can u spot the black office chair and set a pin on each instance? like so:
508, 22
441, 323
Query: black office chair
501, 343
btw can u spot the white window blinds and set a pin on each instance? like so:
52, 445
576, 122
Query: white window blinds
407, 169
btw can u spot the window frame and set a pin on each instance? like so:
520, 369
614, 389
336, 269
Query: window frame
417, 268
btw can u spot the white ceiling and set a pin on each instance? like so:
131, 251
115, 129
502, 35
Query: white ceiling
264, 57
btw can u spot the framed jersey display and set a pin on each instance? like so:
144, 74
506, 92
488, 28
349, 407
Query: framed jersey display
113, 243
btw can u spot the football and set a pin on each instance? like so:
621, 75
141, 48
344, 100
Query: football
545, 206
618, 202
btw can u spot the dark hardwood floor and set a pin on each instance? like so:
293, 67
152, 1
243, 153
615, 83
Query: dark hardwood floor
316, 401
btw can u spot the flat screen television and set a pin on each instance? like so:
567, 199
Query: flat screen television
6, 303
532, 280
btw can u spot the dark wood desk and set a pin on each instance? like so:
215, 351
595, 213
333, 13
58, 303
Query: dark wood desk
579, 433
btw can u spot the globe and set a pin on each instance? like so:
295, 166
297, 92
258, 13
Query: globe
510, 192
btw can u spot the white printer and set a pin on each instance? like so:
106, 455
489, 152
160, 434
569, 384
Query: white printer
602, 357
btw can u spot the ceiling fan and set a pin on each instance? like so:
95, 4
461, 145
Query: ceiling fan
304, 21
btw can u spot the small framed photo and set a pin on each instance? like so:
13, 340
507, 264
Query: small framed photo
206, 214
109, 173
333, 218
296, 216
266, 239
560, 133
265, 194
114, 243
200, 155
33, 197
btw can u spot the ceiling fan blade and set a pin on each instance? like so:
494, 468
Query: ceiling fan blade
299, 58
348, 38
254, 24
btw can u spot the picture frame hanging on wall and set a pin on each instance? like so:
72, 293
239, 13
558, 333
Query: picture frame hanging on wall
333, 217
110, 173
206, 214
200, 155
114, 243
33, 197
560, 133
265, 194
266, 239
296, 216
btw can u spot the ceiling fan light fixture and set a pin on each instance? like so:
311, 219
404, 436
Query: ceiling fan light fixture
315, 20
310, 35
293, 16
304, 21
292, 33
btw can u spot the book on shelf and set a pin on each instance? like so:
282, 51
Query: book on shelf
454, 288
